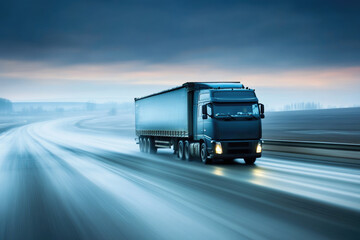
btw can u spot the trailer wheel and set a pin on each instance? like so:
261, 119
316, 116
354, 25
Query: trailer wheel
145, 143
148, 145
187, 150
204, 154
152, 149
181, 150
250, 161
141, 145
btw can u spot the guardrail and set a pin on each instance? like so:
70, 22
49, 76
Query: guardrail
310, 144
342, 152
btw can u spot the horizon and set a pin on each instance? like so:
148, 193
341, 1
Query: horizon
299, 106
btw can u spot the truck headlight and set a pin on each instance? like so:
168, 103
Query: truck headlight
218, 148
259, 148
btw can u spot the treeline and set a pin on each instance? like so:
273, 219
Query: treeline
302, 106
6, 106
43, 108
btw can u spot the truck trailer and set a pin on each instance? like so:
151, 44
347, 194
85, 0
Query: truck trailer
214, 120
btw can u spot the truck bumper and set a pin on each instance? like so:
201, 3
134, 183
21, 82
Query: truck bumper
236, 149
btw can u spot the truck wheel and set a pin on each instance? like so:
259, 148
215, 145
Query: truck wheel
181, 150
144, 145
187, 150
152, 148
204, 155
141, 145
250, 161
148, 145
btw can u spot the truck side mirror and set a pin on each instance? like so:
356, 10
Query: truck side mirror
262, 110
204, 111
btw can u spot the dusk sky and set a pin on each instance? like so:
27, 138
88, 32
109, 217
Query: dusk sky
289, 51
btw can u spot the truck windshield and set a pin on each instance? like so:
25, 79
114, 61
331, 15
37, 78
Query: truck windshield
234, 110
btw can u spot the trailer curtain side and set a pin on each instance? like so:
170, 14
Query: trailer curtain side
165, 114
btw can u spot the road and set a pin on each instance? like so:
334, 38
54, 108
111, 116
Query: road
65, 179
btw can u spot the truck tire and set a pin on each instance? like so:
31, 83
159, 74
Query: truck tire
141, 145
152, 148
249, 161
148, 145
187, 151
204, 154
181, 150
144, 145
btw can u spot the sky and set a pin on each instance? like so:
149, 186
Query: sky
289, 51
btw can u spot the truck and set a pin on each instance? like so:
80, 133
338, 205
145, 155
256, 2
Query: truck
204, 120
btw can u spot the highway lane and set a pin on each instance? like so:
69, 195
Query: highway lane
63, 179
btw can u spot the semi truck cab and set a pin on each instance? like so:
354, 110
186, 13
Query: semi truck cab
228, 124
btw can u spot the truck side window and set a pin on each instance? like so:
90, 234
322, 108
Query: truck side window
204, 96
209, 109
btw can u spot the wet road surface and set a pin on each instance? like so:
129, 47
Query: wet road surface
61, 180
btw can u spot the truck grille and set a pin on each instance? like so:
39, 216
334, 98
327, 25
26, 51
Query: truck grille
239, 147
238, 144
238, 151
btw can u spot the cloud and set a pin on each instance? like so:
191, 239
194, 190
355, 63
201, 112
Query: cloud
137, 73
233, 34
39, 81
103, 49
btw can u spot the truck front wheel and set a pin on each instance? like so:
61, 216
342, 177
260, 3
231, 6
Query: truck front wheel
250, 161
204, 154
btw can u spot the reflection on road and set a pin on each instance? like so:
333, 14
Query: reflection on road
63, 180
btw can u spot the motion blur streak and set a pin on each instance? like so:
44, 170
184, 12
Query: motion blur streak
63, 179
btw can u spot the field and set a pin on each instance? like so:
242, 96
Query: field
325, 125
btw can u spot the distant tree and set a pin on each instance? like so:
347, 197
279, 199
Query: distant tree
5, 106
38, 109
24, 111
302, 106
59, 110
90, 106
112, 111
